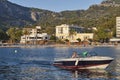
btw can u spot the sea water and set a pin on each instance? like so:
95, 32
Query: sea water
35, 63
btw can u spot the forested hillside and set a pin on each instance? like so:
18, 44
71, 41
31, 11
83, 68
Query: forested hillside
101, 16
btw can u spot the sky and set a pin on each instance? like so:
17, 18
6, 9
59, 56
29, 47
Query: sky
57, 5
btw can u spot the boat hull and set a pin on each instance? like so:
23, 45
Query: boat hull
83, 63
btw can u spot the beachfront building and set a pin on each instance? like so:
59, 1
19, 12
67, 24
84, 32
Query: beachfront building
72, 33
117, 38
33, 35
118, 27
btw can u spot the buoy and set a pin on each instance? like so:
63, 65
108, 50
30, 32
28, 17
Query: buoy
16, 51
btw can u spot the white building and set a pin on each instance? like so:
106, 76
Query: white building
118, 27
117, 39
33, 34
64, 32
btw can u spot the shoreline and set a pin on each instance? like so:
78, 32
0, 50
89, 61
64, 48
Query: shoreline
56, 45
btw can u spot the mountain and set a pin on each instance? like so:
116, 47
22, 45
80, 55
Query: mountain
111, 2
101, 15
15, 15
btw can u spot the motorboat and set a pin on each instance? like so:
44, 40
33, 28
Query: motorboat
88, 62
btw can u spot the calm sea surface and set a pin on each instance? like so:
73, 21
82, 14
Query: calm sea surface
36, 64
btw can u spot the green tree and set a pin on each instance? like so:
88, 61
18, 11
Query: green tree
3, 35
67, 42
79, 40
50, 30
102, 34
11, 34
72, 32
26, 32
53, 38
14, 34
18, 35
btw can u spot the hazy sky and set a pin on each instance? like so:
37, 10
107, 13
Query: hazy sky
57, 5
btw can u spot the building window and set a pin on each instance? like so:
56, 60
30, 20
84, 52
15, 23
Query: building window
62, 37
60, 30
45, 37
32, 38
39, 38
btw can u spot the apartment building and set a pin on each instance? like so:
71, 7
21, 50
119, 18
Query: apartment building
117, 39
33, 35
118, 27
72, 33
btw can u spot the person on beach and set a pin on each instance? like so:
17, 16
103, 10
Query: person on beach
75, 55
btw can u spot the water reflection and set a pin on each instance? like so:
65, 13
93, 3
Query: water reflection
91, 74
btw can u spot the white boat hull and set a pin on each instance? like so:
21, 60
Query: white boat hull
104, 66
96, 62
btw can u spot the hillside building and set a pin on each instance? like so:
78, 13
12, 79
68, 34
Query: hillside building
117, 39
72, 33
33, 35
118, 27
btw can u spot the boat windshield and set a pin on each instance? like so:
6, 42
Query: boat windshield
87, 54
